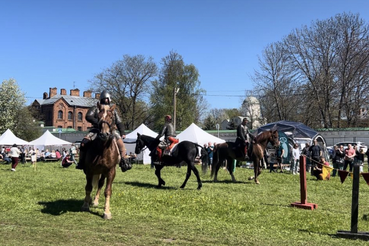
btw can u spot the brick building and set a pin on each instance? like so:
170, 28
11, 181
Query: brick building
65, 111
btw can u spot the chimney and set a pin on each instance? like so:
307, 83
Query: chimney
44, 95
53, 92
87, 94
74, 92
97, 95
63, 92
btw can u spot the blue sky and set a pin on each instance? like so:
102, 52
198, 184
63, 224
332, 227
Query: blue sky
64, 43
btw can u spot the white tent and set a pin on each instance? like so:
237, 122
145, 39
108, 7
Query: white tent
130, 142
8, 138
195, 134
48, 139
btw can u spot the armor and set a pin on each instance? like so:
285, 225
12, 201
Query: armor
105, 95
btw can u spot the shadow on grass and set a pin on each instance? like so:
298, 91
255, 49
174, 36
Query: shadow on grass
148, 185
60, 207
227, 182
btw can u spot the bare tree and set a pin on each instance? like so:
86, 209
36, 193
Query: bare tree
128, 82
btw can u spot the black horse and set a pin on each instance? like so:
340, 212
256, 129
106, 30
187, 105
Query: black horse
227, 151
185, 151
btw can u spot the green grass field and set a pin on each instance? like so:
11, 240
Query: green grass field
42, 207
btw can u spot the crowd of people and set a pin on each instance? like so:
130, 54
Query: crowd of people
20, 154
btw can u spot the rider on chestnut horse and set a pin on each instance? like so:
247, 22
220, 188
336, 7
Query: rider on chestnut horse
92, 117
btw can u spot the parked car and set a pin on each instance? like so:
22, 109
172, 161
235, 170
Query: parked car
360, 145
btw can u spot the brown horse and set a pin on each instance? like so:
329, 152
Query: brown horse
227, 151
102, 156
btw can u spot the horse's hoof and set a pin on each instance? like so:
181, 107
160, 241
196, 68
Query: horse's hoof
199, 187
107, 216
257, 182
251, 178
85, 209
182, 187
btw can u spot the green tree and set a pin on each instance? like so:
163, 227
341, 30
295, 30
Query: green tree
12, 100
176, 78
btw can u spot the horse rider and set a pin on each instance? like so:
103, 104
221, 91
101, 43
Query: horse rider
169, 136
92, 117
242, 140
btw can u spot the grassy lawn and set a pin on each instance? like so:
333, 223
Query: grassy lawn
42, 207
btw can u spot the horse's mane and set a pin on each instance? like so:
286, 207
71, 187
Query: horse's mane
262, 136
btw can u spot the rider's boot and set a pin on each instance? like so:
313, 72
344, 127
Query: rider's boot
125, 166
82, 150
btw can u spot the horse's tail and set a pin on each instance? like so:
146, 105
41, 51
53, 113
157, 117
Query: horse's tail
215, 160
95, 181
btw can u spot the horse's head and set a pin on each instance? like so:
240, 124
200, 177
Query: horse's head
106, 121
274, 138
140, 144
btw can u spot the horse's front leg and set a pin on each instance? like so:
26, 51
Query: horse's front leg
188, 174
158, 174
97, 196
88, 189
107, 193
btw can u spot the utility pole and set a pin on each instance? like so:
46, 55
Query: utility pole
175, 91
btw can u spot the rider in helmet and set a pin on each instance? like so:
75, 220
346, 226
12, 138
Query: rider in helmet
92, 117
169, 136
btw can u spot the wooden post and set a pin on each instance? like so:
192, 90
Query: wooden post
303, 190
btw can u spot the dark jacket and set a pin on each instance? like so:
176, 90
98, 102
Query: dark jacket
92, 117
242, 132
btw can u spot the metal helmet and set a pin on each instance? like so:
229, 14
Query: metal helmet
168, 117
105, 95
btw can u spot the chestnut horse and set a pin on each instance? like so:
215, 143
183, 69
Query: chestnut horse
226, 151
185, 151
102, 156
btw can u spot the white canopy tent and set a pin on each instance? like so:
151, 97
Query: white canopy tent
48, 139
195, 134
8, 138
130, 142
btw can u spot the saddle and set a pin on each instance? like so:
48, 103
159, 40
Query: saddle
165, 149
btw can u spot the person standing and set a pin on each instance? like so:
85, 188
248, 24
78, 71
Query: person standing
360, 159
210, 150
334, 160
367, 156
349, 157
14, 153
305, 151
296, 158
316, 153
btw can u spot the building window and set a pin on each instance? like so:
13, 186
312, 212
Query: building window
70, 115
60, 114
69, 127
79, 128
79, 116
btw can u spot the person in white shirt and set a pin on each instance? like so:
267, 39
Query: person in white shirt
14, 153
295, 158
